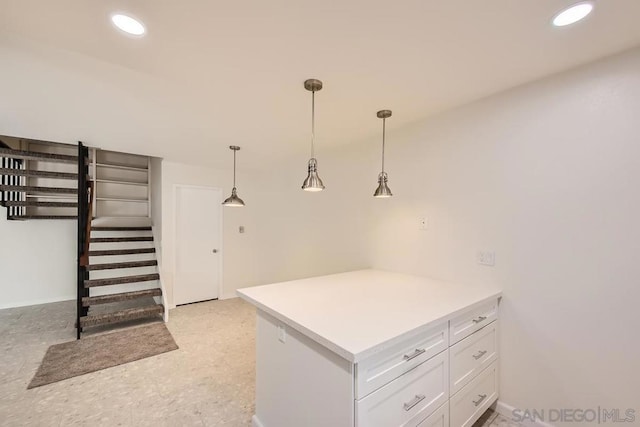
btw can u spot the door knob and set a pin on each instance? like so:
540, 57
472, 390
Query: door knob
215, 251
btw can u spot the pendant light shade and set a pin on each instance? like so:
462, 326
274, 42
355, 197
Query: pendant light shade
234, 201
313, 181
383, 190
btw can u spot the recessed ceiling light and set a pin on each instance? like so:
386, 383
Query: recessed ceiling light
573, 14
128, 24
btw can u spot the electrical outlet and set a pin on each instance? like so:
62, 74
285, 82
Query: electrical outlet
241, 229
487, 258
282, 334
424, 223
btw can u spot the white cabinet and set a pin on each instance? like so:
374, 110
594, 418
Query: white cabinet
383, 350
409, 399
472, 355
383, 367
440, 418
404, 381
469, 322
468, 404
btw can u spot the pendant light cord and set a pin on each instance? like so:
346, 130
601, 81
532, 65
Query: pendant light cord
234, 168
313, 121
384, 121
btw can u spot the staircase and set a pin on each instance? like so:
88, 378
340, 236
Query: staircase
117, 269
123, 282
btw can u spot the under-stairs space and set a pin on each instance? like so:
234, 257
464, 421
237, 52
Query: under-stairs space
124, 283
38, 179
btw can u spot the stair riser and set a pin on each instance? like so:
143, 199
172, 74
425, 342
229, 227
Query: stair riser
121, 258
122, 253
98, 233
40, 174
31, 218
120, 245
68, 192
124, 229
119, 280
95, 266
121, 297
52, 211
120, 239
40, 157
121, 272
157, 312
43, 204
127, 287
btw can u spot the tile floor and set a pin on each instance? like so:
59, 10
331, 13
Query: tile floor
209, 381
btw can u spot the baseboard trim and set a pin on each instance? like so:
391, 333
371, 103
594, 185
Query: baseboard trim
255, 422
37, 302
506, 411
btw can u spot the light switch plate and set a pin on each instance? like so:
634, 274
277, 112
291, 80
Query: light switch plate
487, 258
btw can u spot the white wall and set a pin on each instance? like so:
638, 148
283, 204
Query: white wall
37, 261
546, 175
289, 233
237, 247
155, 181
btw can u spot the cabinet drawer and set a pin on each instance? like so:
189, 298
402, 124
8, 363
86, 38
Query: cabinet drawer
408, 400
469, 404
440, 418
379, 369
469, 322
472, 355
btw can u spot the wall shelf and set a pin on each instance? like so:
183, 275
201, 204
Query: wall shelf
124, 167
120, 199
113, 181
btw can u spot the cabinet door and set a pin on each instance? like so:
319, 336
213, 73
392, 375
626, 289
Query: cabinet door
471, 321
409, 399
470, 403
440, 418
379, 369
472, 355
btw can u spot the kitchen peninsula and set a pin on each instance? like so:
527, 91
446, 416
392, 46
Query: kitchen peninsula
374, 348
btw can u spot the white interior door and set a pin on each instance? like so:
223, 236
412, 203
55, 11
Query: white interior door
198, 252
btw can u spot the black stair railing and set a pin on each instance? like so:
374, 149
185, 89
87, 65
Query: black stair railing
85, 197
13, 180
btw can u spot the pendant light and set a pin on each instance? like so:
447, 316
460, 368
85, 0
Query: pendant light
234, 201
383, 190
313, 181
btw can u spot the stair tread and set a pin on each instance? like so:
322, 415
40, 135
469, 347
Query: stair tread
35, 203
122, 296
34, 155
121, 280
25, 217
115, 265
120, 239
122, 252
121, 315
37, 173
99, 228
34, 189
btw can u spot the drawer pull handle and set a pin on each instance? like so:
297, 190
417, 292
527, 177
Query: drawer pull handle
479, 401
480, 354
415, 354
419, 398
480, 319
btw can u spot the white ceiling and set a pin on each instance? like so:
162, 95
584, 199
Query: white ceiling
212, 73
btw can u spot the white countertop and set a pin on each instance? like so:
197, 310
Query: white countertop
360, 313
